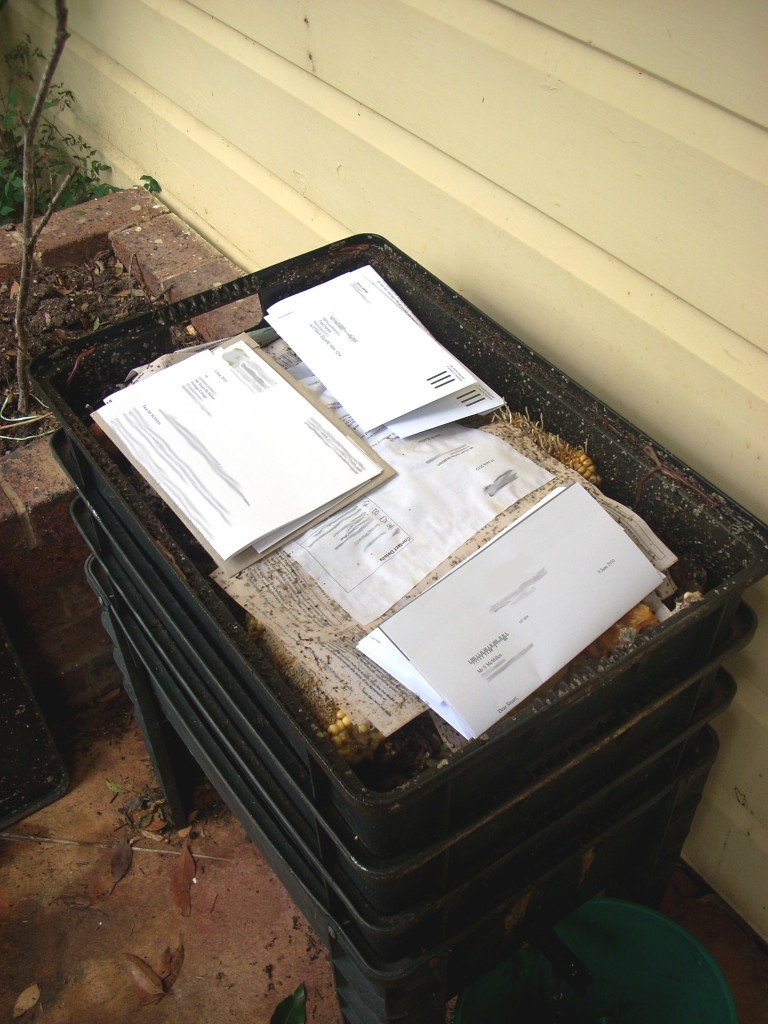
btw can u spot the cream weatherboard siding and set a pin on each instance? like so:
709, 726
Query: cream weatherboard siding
590, 172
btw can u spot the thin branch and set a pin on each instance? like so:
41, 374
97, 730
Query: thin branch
28, 236
23, 837
50, 209
38, 104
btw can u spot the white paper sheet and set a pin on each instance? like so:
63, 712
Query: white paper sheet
476, 399
377, 360
491, 632
449, 484
234, 447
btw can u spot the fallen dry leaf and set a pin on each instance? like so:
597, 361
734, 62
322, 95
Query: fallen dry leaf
183, 833
26, 1000
13, 293
171, 964
153, 836
121, 859
103, 880
181, 880
164, 968
115, 788
149, 983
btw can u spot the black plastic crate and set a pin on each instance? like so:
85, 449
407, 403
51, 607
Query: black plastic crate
439, 866
32, 773
519, 763
626, 853
701, 524
427, 920
620, 858
617, 861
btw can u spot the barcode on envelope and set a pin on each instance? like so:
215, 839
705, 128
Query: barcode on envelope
471, 396
440, 380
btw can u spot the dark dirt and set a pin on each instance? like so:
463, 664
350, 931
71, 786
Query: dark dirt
66, 303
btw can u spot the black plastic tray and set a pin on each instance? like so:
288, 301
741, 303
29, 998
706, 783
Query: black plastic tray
706, 528
573, 772
628, 852
518, 764
32, 773
427, 919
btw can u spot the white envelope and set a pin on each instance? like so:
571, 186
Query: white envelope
236, 449
368, 351
508, 618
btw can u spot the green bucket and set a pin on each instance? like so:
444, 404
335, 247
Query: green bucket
646, 970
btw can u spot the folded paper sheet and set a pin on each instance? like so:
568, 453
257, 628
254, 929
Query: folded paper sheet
449, 484
508, 618
237, 450
315, 640
374, 356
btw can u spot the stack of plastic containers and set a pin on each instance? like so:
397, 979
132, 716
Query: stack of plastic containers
589, 788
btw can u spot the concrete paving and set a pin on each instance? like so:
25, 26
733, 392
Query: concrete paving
68, 928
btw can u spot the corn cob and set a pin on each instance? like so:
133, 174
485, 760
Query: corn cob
352, 742
554, 445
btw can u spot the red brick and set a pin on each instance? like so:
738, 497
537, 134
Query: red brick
76, 663
64, 647
76, 596
229, 319
41, 546
80, 232
83, 685
214, 272
46, 578
157, 253
10, 256
35, 475
67, 599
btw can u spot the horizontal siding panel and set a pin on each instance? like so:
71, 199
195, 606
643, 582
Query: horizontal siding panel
714, 48
728, 843
589, 313
732, 860
243, 209
669, 185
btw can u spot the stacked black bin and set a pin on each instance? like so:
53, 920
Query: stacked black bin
590, 788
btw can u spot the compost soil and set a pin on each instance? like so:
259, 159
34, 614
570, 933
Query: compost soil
65, 303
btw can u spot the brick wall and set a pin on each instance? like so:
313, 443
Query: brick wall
52, 614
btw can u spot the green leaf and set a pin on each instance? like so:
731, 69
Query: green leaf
150, 184
115, 787
293, 1009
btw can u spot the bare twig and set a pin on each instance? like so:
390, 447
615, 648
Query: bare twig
29, 236
673, 474
20, 837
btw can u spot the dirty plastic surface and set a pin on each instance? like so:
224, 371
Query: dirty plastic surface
32, 773
706, 528
644, 966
